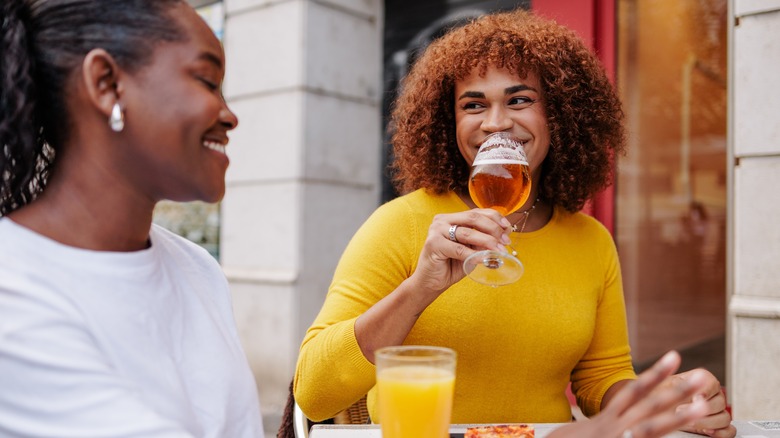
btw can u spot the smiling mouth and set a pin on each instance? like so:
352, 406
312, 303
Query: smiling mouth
214, 146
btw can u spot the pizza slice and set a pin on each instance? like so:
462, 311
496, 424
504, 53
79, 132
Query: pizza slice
501, 431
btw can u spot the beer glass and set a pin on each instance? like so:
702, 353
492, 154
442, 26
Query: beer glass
415, 385
500, 179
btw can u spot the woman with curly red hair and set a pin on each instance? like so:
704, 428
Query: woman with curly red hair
401, 280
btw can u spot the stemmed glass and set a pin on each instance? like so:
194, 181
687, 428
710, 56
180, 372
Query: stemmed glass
500, 179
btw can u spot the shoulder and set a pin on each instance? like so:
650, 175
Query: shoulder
414, 211
579, 230
189, 263
581, 224
423, 202
401, 224
34, 281
34, 262
173, 245
16, 236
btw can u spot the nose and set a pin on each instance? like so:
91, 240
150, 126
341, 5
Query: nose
227, 118
496, 120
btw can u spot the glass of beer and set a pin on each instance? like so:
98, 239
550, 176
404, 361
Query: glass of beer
414, 391
500, 179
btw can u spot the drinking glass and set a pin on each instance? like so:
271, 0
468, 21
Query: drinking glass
500, 179
415, 386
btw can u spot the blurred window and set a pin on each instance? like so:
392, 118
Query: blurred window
671, 185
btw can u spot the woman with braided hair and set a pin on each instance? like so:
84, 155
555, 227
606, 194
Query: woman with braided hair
110, 325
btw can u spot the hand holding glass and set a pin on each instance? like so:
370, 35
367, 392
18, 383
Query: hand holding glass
415, 386
500, 179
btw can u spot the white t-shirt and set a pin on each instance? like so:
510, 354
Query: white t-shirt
110, 344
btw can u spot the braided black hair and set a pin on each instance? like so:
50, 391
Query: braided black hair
43, 42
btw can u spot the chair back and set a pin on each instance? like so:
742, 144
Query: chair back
296, 425
355, 414
301, 424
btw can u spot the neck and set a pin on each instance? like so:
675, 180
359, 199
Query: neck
525, 214
539, 212
90, 210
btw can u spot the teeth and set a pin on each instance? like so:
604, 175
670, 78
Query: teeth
214, 146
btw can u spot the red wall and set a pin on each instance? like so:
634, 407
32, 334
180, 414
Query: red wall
595, 21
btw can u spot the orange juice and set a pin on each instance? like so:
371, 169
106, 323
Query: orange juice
415, 401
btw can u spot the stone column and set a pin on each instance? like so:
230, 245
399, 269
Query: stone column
304, 78
753, 362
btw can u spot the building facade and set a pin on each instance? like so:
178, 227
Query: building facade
754, 234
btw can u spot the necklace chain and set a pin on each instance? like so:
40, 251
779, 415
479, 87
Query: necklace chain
524, 218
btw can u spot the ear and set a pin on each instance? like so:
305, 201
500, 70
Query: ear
101, 78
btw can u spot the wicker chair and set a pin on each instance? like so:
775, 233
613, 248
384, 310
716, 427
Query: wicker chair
301, 424
355, 414
295, 424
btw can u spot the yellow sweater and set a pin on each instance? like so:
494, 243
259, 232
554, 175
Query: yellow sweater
518, 345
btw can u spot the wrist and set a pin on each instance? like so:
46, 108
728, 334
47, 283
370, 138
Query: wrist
417, 294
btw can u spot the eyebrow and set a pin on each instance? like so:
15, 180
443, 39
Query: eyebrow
212, 58
521, 87
509, 90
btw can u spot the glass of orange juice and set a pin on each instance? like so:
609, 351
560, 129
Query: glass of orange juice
415, 386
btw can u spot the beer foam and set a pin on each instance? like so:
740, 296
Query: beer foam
501, 149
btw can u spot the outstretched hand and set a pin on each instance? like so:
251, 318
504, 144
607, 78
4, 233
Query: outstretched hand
650, 406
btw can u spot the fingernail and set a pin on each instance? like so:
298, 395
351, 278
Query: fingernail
505, 222
698, 397
668, 358
505, 238
501, 248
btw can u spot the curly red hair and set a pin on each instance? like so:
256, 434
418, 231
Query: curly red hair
584, 112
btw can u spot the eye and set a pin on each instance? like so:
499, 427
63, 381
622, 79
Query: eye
520, 102
472, 107
211, 85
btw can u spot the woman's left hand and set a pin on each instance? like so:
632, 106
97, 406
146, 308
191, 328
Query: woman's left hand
717, 422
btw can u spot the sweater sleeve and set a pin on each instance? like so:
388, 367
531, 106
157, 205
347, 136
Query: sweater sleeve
608, 358
332, 373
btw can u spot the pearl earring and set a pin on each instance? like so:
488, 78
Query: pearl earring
117, 119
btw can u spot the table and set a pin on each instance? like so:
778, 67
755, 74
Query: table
745, 429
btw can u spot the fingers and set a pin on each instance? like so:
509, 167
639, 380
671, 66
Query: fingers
451, 239
645, 383
727, 432
477, 229
717, 421
715, 404
667, 421
712, 387
715, 425
656, 411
